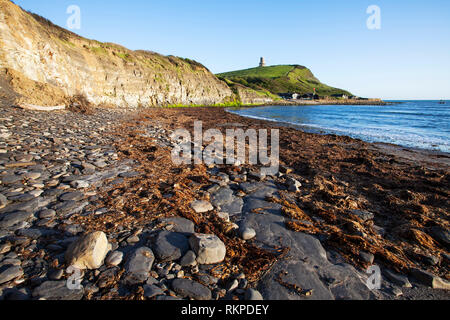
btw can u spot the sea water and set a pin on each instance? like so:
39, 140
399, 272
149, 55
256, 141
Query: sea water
417, 124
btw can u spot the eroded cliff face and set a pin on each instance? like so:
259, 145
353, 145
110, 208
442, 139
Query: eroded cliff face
56, 60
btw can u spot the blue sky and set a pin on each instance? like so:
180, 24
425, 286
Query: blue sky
408, 58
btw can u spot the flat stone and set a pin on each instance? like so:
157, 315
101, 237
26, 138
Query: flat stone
28, 206
10, 272
253, 295
57, 290
180, 225
5, 248
397, 279
47, 214
138, 266
10, 179
430, 279
114, 258
88, 252
191, 289
234, 207
72, 196
80, 184
201, 206
35, 233
13, 218
221, 197
248, 187
33, 175
189, 259
247, 233
100, 164
67, 208
130, 174
170, 246
88, 166
10, 261
22, 197
441, 235
36, 193
208, 248
151, 291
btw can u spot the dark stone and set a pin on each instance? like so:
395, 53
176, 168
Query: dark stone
180, 225
13, 218
138, 266
57, 290
170, 246
9, 272
441, 235
191, 289
75, 196
151, 291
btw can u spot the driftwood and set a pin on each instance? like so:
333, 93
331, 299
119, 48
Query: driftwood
27, 106
19, 164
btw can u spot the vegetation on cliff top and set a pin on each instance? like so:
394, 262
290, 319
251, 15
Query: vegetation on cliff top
281, 79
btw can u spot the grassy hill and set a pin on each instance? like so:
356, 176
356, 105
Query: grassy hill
281, 79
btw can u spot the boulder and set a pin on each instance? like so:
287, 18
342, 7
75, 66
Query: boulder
208, 248
88, 252
170, 246
138, 266
191, 289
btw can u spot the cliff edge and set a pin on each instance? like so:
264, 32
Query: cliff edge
46, 65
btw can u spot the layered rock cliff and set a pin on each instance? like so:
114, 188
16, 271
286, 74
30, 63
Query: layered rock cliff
46, 65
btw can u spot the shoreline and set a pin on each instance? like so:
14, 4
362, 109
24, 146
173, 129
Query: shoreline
320, 131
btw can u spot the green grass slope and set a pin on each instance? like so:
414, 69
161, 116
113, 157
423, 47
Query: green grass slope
281, 79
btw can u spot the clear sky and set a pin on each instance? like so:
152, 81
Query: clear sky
408, 58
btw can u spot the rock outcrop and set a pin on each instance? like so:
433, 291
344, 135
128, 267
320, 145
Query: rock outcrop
47, 65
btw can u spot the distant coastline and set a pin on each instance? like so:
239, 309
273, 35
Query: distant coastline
330, 102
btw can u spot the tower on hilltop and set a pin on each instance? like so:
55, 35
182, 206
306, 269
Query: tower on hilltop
262, 62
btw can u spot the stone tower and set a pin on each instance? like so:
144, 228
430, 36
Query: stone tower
262, 62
